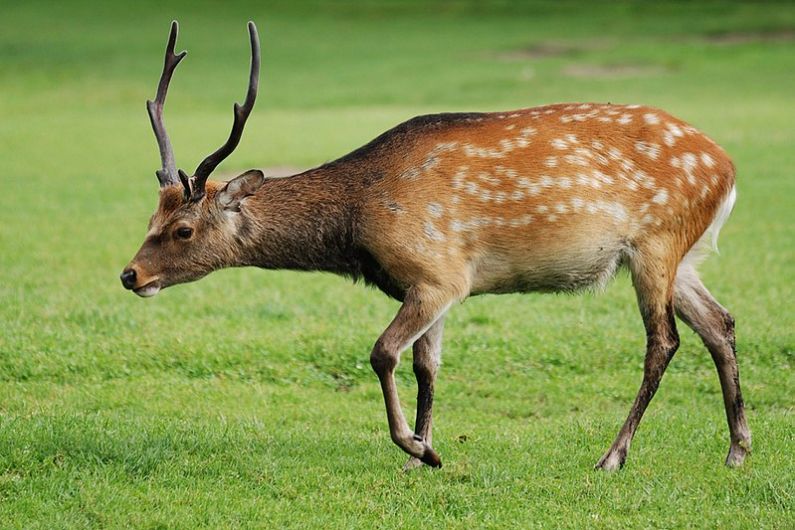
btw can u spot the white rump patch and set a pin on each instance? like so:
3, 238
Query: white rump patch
709, 239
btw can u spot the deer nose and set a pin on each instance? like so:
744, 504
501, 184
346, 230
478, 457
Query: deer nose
128, 278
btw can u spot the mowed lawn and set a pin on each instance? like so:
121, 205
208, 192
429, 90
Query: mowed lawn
247, 399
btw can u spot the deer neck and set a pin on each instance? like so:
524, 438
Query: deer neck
304, 222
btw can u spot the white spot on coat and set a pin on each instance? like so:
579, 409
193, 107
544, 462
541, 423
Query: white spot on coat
651, 118
661, 197
649, 149
435, 209
576, 160
625, 119
432, 233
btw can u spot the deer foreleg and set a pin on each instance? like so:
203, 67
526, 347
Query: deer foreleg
421, 308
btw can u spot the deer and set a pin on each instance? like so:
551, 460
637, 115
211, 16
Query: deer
442, 207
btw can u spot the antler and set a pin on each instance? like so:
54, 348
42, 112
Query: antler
168, 174
197, 182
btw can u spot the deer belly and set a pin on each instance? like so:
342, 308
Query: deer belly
551, 269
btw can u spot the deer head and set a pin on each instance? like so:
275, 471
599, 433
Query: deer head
192, 232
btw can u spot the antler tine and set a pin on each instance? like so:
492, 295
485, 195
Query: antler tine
167, 175
241, 115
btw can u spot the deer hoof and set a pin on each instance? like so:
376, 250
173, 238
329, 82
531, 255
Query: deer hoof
431, 458
412, 463
611, 461
737, 454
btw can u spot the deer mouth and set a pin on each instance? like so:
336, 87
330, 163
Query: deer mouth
150, 289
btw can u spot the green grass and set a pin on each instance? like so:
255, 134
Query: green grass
247, 399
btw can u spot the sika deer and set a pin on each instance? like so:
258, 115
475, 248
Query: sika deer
442, 207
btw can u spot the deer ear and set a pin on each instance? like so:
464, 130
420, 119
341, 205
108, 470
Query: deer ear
239, 188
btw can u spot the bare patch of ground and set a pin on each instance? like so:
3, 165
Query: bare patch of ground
564, 48
542, 50
747, 37
613, 71
551, 49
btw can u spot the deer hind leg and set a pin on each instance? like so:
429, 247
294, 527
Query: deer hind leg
699, 310
653, 276
421, 308
427, 355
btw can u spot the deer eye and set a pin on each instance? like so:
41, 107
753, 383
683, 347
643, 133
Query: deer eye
184, 232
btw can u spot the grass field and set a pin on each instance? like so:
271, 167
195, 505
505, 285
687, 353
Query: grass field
247, 399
